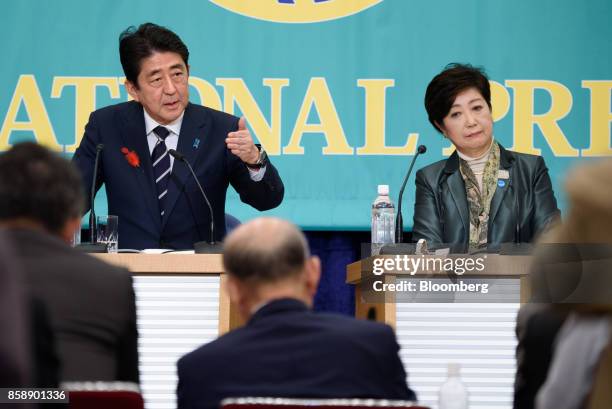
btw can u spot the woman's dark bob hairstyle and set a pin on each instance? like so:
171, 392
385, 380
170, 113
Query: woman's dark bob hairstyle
444, 88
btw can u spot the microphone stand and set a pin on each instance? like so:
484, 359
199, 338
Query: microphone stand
399, 222
92, 246
201, 247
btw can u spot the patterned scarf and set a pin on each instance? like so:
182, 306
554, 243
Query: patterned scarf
480, 202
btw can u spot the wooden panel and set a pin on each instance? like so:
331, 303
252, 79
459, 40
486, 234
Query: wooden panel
166, 263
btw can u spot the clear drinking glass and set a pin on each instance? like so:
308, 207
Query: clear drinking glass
76, 237
108, 232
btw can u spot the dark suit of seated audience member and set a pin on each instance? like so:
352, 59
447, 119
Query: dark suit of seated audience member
15, 356
90, 304
482, 195
285, 349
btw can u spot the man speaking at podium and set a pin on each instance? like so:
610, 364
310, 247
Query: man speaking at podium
158, 203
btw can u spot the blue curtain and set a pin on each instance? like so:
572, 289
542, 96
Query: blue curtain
336, 250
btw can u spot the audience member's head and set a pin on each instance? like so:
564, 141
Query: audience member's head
39, 189
572, 261
267, 259
589, 190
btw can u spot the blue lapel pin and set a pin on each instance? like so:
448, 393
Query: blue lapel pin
196, 143
501, 183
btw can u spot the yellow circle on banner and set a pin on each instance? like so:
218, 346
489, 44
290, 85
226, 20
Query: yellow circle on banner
296, 11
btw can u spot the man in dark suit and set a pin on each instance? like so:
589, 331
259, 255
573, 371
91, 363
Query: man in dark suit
285, 349
156, 199
90, 304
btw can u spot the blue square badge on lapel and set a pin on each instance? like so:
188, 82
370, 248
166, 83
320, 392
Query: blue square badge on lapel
196, 143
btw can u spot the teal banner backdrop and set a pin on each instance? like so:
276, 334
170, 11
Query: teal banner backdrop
332, 88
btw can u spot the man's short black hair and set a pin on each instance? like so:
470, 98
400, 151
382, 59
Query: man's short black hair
444, 88
40, 186
136, 44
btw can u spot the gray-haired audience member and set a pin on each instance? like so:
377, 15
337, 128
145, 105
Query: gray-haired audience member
285, 349
90, 304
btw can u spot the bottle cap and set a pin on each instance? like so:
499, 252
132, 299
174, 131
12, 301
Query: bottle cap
383, 190
454, 369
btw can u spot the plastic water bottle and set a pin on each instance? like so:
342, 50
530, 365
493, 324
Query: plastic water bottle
453, 393
383, 220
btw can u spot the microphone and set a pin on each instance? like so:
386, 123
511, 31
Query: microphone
515, 214
399, 223
517, 247
92, 196
201, 247
92, 246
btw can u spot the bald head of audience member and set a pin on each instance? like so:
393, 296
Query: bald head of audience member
40, 190
268, 259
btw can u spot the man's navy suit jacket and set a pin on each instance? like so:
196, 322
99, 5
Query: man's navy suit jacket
286, 350
131, 190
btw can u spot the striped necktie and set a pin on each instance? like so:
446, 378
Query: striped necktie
161, 166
